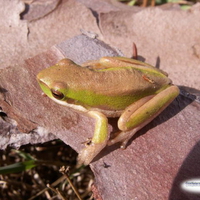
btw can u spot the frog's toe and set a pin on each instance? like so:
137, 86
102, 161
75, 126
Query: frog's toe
87, 154
123, 137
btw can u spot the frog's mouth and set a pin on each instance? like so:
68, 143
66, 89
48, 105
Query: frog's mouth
44, 88
70, 103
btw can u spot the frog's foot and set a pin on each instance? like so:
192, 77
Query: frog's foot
98, 141
87, 154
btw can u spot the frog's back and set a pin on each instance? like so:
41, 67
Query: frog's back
122, 81
114, 89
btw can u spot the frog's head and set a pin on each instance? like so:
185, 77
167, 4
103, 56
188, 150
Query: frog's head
54, 82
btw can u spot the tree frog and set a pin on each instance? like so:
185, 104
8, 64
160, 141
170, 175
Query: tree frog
132, 90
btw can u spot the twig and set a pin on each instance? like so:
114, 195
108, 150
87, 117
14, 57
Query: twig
56, 191
45, 189
135, 54
64, 170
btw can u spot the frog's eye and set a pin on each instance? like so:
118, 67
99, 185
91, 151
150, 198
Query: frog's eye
57, 94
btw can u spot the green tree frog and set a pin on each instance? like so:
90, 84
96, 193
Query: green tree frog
132, 90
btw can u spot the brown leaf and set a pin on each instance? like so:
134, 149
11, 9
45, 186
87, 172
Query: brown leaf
38, 8
21, 39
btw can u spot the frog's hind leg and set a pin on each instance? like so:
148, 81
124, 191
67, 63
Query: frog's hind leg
140, 113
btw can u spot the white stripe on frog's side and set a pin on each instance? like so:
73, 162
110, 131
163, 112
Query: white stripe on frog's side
76, 107
108, 113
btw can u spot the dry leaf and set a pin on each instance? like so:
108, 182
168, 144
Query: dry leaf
21, 39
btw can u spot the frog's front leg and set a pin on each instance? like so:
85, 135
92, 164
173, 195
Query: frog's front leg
98, 141
140, 113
